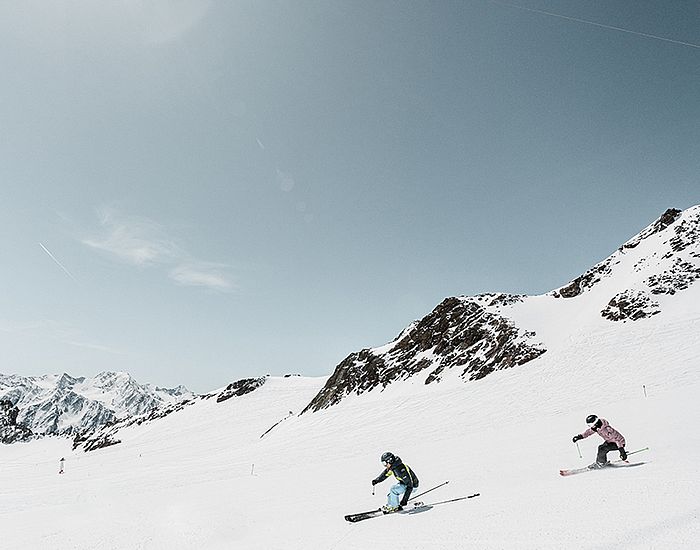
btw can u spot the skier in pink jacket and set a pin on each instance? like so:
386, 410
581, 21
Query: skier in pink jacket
614, 441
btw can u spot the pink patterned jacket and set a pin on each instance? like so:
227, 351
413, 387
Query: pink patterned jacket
607, 432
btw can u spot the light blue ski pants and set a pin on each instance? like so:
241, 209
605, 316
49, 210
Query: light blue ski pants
395, 494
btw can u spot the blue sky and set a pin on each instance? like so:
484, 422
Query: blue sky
197, 192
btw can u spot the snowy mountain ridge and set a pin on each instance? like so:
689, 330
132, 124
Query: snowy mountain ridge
476, 335
60, 404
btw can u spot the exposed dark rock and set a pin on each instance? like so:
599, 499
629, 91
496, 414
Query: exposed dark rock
99, 443
241, 387
666, 219
459, 332
630, 305
10, 431
604, 268
500, 299
681, 275
585, 281
687, 234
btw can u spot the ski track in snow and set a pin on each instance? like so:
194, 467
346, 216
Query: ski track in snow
187, 482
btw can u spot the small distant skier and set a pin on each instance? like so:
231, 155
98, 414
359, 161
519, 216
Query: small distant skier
62, 461
407, 481
614, 441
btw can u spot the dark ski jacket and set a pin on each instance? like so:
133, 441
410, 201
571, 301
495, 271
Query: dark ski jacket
403, 474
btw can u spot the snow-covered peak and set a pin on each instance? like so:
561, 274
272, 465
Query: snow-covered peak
473, 336
662, 256
63, 404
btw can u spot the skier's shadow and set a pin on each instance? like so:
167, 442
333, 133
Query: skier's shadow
417, 510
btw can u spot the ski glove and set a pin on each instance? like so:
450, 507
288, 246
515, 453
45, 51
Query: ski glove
577, 437
374, 482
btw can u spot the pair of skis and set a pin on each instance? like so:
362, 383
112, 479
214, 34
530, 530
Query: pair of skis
612, 464
417, 506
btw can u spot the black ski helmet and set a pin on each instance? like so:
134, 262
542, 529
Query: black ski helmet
591, 419
388, 457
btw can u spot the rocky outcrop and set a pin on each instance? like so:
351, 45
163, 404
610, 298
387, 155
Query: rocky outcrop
672, 267
460, 333
667, 218
630, 305
603, 269
240, 388
585, 281
679, 277
10, 431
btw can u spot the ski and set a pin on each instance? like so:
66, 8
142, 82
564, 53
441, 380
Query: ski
592, 468
612, 464
418, 507
354, 518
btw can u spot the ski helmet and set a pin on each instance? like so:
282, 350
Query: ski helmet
591, 419
388, 458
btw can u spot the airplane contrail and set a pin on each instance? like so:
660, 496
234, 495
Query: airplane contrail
59, 264
646, 35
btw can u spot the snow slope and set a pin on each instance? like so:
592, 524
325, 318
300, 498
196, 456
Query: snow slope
203, 477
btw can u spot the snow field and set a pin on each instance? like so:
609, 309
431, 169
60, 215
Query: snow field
188, 480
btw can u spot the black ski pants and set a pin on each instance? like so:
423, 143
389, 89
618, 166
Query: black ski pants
603, 451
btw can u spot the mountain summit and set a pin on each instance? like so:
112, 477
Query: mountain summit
474, 336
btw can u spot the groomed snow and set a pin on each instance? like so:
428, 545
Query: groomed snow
203, 477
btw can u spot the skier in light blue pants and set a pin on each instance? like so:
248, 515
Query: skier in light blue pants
407, 481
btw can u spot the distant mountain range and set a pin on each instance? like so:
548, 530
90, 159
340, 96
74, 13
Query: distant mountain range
64, 405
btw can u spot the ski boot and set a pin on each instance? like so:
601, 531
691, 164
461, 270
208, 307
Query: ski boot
388, 509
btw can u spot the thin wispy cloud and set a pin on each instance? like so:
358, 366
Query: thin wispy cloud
142, 242
134, 240
202, 274
59, 264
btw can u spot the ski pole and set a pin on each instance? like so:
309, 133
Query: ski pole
579, 450
638, 451
421, 494
455, 499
